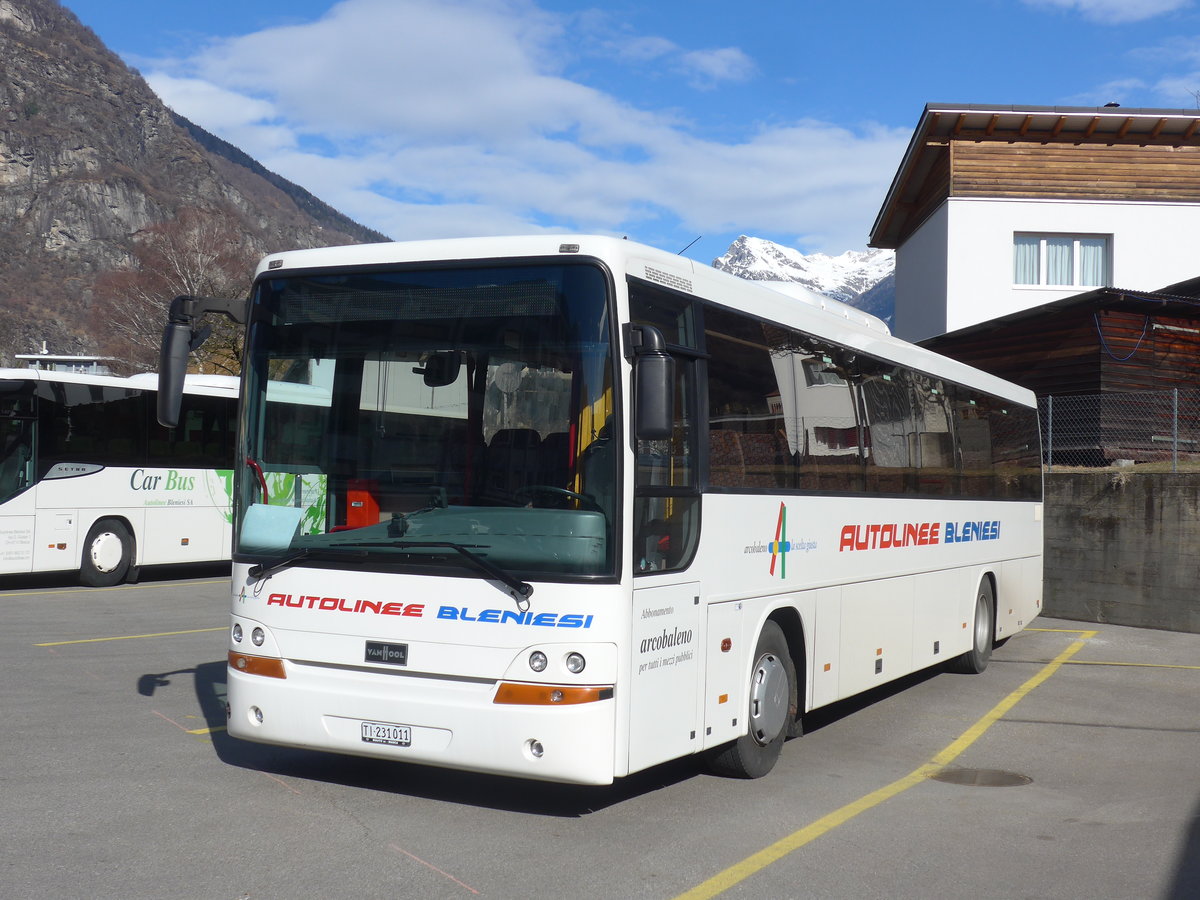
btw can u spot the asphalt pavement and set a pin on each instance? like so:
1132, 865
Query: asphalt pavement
1071, 768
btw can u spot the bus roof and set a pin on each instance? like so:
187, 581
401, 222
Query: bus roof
799, 307
207, 385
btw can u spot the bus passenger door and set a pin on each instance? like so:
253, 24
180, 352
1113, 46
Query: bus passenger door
664, 713
18, 494
665, 707
16, 532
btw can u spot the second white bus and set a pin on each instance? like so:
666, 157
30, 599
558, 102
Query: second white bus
565, 508
89, 481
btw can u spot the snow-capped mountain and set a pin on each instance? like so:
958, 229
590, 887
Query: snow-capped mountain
864, 279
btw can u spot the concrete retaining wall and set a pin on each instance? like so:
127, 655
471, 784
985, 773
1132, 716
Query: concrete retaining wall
1123, 548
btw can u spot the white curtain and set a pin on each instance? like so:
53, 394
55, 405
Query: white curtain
1092, 258
1059, 263
789, 375
1025, 259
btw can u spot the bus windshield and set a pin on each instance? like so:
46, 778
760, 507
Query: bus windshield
431, 419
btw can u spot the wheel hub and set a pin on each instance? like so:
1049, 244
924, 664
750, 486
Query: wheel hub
106, 552
768, 699
983, 624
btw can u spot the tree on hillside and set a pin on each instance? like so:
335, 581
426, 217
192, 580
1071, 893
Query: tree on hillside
199, 252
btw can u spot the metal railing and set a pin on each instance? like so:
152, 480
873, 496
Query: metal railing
1153, 430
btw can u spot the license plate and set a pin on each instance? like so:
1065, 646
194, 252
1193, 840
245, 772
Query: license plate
383, 733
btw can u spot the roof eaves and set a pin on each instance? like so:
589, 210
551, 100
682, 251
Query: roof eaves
906, 163
1067, 303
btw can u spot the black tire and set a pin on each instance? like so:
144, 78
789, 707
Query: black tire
771, 712
983, 633
107, 553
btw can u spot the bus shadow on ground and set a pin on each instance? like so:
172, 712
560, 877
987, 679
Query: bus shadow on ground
428, 782
1186, 885
145, 574
835, 712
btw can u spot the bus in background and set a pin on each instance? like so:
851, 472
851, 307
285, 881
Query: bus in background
565, 508
90, 481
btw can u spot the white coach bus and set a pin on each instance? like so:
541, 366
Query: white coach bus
565, 508
89, 481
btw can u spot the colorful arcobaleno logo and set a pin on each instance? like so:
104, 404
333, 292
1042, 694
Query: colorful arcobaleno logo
780, 546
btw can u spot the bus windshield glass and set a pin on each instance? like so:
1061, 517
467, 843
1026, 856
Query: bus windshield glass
404, 419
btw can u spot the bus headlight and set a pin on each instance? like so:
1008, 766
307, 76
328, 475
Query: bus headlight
258, 636
575, 663
538, 661
237, 632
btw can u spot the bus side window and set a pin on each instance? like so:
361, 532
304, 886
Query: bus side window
934, 437
828, 429
887, 424
666, 506
1016, 452
751, 423
973, 442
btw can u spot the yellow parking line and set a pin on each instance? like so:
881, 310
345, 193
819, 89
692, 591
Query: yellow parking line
1063, 630
127, 637
1098, 662
196, 731
739, 872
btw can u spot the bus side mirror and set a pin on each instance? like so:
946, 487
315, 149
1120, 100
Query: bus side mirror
181, 337
172, 366
654, 384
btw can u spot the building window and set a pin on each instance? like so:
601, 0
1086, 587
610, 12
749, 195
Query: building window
1066, 260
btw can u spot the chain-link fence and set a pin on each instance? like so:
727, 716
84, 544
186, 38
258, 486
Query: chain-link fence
1155, 431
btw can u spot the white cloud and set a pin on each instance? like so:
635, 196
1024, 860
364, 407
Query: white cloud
1116, 91
1115, 12
219, 107
642, 49
1169, 77
1180, 91
459, 117
708, 67
233, 116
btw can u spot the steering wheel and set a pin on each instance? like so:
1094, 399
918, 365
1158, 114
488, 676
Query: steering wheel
584, 500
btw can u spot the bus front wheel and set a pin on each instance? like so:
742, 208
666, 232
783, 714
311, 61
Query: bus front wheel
107, 553
773, 703
983, 631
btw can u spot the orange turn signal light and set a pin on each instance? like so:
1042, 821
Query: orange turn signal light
267, 666
549, 694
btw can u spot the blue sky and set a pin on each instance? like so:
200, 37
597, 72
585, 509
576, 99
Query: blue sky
665, 121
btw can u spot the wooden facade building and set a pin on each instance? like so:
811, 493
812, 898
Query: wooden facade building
996, 209
1041, 153
1116, 362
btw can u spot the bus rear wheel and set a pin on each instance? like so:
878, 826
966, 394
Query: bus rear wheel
107, 553
983, 631
772, 709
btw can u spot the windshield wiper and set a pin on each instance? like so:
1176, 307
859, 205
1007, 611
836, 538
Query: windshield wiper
263, 570
398, 526
519, 590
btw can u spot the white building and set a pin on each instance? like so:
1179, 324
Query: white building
56, 362
998, 209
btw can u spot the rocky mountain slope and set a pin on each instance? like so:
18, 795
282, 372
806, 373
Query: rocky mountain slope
90, 159
864, 279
